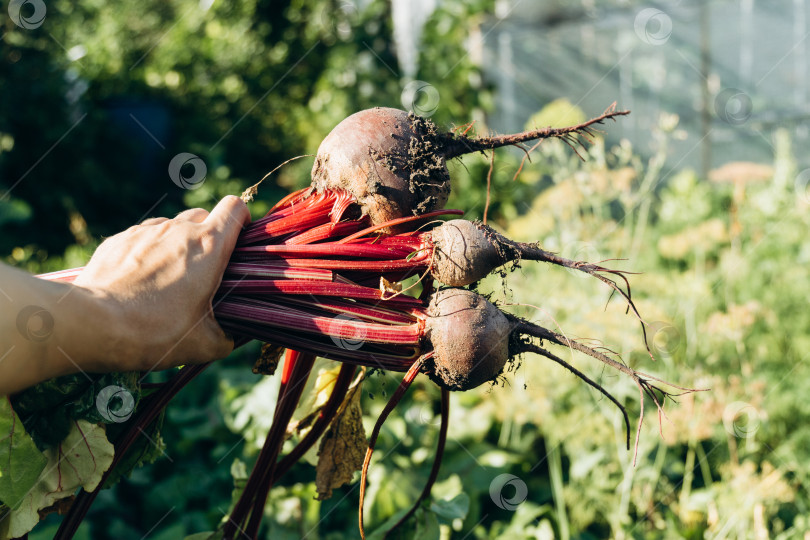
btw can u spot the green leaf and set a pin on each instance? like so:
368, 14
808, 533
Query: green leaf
4, 510
79, 461
239, 473
20, 461
147, 448
49, 409
210, 535
450, 509
427, 526
403, 531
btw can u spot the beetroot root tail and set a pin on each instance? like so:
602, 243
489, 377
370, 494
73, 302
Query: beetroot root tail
644, 382
571, 135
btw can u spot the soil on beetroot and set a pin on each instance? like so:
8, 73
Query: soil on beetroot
390, 160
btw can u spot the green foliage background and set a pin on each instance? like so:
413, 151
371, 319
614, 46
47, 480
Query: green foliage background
107, 95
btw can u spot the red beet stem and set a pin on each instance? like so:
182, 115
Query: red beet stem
410, 375
326, 231
278, 270
285, 407
305, 287
330, 408
353, 251
313, 211
401, 221
373, 267
388, 357
363, 311
297, 367
284, 317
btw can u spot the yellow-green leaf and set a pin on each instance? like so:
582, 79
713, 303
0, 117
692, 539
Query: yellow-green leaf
20, 461
77, 462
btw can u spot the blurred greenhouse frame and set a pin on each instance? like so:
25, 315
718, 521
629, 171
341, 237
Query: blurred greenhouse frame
704, 189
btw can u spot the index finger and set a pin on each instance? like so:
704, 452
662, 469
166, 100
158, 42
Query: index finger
228, 217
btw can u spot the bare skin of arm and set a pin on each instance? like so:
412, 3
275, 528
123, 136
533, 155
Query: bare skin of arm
142, 303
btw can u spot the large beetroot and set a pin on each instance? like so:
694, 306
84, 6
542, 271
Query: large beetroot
395, 163
389, 160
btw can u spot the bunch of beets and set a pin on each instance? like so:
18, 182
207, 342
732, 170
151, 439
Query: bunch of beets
319, 276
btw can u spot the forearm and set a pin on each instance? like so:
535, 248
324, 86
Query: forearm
48, 329
142, 302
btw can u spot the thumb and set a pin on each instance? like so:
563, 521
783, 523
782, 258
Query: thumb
228, 217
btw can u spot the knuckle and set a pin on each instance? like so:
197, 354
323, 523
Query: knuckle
209, 241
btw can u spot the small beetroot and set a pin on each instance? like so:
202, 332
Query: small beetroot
470, 339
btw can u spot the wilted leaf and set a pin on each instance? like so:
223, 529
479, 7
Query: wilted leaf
20, 461
318, 396
343, 446
268, 360
79, 461
390, 287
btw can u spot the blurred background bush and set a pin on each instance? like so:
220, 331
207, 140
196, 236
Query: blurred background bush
704, 189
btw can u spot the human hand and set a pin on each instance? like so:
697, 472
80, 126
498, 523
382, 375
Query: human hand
159, 279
